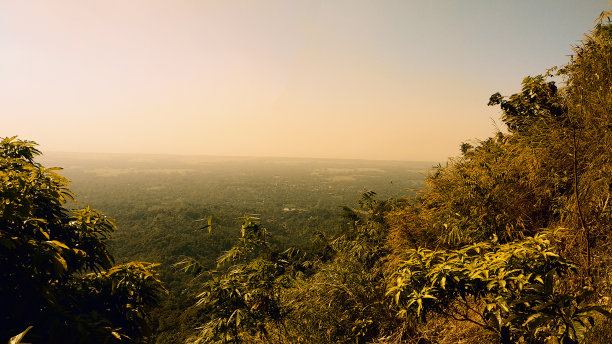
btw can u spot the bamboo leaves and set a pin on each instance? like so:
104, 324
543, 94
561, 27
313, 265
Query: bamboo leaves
512, 286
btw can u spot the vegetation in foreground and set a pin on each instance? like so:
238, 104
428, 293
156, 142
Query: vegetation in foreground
58, 279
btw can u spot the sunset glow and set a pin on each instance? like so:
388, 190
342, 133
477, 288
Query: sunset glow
404, 80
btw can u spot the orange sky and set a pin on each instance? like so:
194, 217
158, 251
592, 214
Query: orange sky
402, 80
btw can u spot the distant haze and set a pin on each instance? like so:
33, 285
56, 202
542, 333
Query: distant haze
399, 80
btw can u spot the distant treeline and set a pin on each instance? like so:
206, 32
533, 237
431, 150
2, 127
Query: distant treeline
158, 200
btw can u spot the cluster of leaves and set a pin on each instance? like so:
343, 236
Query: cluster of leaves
512, 289
485, 193
343, 300
332, 292
57, 274
242, 296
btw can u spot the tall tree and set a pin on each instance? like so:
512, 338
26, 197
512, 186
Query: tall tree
57, 275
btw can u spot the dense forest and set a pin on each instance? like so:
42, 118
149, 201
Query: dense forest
158, 203
507, 243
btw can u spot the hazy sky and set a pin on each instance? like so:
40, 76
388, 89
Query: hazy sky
402, 80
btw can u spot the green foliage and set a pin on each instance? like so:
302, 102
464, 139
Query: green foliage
242, 299
56, 270
512, 289
552, 169
510, 185
124, 292
342, 301
335, 293
538, 101
163, 215
484, 193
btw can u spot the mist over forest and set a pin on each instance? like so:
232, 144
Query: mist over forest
294, 197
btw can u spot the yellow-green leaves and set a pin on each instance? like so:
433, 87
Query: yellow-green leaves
208, 225
59, 264
17, 339
504, 283
53, 260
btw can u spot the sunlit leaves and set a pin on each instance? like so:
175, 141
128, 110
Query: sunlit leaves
208, 225
56, 269
243, 295
17, 339
512, 286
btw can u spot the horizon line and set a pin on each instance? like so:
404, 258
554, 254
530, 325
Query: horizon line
238, 156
